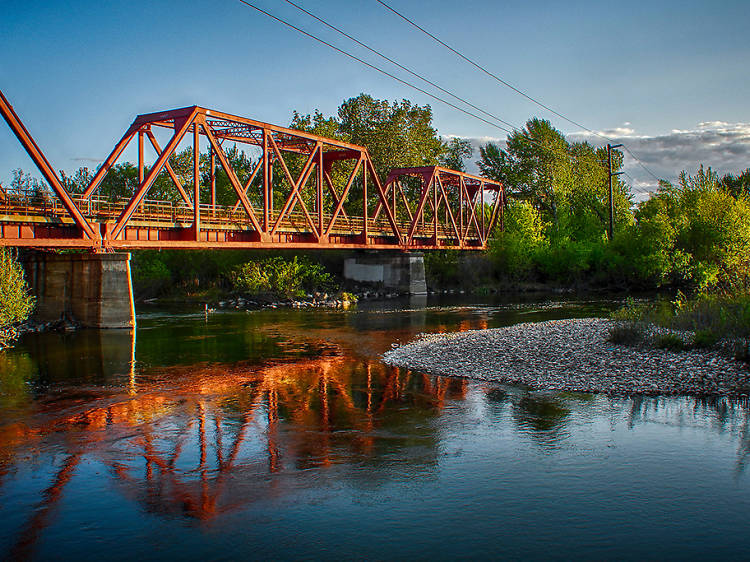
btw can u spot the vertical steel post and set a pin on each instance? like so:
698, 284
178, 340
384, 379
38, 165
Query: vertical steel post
141, 174
140, 157
364, 204
213, 180
266, 183
435, 208
196, 182
461, 187
270, 184
393, 187
481, 209
321, 226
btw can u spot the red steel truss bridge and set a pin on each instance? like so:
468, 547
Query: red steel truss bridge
304, 191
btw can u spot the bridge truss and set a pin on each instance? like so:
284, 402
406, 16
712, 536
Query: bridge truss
304, 191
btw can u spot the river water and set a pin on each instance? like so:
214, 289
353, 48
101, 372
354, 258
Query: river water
279, 434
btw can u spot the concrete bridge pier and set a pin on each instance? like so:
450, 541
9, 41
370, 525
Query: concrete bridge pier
402, 272
94, 290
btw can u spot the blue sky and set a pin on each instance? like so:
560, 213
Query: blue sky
669, 78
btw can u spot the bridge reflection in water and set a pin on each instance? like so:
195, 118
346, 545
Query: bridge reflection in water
198, 442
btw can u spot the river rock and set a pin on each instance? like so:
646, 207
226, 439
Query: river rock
571, 355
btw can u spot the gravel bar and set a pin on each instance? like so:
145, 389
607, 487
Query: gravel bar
571, 355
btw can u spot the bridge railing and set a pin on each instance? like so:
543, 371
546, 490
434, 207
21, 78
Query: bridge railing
41, 203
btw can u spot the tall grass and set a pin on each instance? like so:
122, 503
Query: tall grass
712, 318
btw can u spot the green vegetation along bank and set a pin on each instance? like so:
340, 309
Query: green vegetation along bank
16, 303
692, 235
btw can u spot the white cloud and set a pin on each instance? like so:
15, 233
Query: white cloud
723, 146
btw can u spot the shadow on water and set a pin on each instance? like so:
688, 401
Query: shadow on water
272, 414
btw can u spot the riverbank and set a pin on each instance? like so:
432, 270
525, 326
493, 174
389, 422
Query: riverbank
575, 356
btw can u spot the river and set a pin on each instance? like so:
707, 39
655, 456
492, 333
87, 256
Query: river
279, 434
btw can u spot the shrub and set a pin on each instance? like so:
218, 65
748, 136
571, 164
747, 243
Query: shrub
281, 277
627, 327
626, 333
672, 342
442, 268
16, 303
512, 251
151, 276
705, 339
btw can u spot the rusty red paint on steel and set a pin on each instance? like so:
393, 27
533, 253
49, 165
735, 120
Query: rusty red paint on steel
438, 208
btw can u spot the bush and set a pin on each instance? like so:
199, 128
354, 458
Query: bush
442, 268
672, 342
16, 303
711, 317
151, 276
626, 333
281, 277
705, 339
627, 327
512, 251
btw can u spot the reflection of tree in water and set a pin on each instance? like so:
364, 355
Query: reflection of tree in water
203, 441
544, 415
715, 413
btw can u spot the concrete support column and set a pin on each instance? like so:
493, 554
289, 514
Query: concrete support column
402, 272
93, 290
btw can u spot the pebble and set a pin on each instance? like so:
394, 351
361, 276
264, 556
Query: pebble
575, 356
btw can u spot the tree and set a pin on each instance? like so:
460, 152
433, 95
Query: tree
26, 185
703, 229
567, 183
457, 150
513, 250
736, 185
397, 134
16, 303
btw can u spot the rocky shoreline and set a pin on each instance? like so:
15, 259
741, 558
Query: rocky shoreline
573, 356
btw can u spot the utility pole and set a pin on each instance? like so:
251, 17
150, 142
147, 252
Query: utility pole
611, 197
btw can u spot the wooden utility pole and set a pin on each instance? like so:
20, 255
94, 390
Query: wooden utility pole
611, 196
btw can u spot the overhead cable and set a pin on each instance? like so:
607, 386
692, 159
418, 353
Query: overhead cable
509, 85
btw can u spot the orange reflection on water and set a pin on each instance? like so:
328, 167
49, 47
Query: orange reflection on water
197, 441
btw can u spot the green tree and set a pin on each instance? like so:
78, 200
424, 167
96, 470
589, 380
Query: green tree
396, 134
736, 185
514, 249
16, 303
566, 182
703, 229
457, 150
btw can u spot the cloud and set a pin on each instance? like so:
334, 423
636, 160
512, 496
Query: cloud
87, 159
723, 146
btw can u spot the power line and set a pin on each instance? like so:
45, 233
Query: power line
402, 67
385, 72
396, 63
511, 86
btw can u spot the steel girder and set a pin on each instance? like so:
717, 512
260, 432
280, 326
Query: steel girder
344, 208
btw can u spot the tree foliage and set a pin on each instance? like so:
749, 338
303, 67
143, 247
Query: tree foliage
696, 233
16, 303
285, 278
457, 151
736, 185
566, 182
